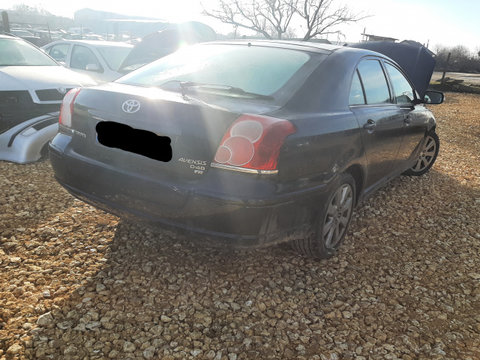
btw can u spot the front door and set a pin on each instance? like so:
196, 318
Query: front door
381, 121
415, 117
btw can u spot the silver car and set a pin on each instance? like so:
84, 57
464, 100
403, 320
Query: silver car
32, 86
97, 59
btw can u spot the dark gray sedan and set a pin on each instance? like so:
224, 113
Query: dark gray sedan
252, 142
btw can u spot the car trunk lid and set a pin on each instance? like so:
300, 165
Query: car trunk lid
152, 132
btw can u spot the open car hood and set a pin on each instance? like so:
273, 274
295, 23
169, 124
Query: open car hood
415, 59
159, 44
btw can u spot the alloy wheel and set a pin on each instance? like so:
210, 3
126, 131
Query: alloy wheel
338, 216
427, 156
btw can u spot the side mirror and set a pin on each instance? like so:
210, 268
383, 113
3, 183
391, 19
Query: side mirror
93, 67
433, 97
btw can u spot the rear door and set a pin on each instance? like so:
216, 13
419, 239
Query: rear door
382, 121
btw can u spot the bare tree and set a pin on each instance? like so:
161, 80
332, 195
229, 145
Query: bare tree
460, 60
321, 17
273, 18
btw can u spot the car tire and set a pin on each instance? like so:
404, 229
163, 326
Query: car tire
427, 157
331, 223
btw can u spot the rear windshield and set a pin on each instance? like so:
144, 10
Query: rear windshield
258, 70
15, 52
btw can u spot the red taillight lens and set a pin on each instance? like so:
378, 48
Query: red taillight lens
66, 110
254, 142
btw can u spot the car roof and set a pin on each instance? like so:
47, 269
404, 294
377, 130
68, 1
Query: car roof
286, 44
313, 47
94, 43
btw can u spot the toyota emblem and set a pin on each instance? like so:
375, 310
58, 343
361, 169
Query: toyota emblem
131, 106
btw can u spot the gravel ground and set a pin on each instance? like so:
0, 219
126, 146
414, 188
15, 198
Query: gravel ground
77, 283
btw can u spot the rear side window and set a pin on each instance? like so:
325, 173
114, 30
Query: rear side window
374, 82
356, 91
401, 87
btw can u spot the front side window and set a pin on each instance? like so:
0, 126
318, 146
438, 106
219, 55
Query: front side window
374, 82
84, 59
401, 87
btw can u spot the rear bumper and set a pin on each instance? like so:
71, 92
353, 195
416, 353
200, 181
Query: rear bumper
218, 205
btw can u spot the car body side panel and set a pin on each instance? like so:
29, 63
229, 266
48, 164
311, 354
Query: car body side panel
328, 140
324, 146
418, 123
382, 142
24, 143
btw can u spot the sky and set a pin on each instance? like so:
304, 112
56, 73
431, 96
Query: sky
433, 22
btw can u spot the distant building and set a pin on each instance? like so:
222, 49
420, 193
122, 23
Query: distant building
371, 37
103, 22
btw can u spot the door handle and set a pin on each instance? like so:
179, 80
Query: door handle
370, 124
407, 119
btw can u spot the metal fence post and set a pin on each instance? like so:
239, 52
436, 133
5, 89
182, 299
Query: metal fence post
446, 68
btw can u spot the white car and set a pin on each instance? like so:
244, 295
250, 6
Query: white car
98, 59
32, 86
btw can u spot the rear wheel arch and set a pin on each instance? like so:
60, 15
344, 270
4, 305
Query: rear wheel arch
330, 221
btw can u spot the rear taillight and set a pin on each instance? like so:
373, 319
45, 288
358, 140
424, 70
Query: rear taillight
66, 110
253, 142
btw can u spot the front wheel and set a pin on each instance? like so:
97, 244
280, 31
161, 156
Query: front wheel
427, 156
331, 223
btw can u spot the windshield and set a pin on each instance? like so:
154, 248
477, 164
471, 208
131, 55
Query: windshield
14, 52
114, 56
255, 70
